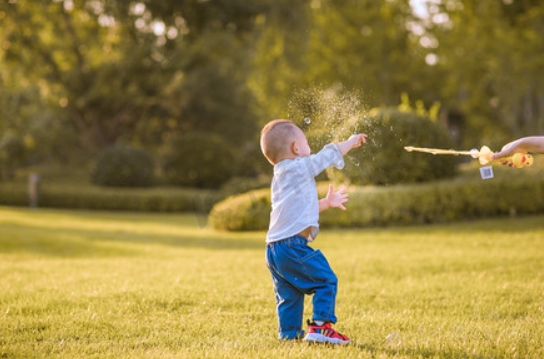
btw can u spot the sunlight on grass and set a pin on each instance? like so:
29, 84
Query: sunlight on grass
163, 224
129, 285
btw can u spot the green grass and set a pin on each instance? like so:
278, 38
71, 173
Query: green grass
78, 284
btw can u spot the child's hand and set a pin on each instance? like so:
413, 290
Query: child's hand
356, 140
352, 142
337, 199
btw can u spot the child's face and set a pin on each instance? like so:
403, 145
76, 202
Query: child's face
301, 147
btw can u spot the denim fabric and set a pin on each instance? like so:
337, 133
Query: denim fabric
297, 270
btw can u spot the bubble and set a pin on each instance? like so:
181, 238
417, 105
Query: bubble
333, 113
393, 339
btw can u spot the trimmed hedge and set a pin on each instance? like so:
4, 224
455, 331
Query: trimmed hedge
96, 198
383, 161
438, 202
248, 211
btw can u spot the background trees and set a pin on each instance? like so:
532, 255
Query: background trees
80, 75
488, 54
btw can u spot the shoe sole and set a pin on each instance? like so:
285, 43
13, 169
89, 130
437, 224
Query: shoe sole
320, 338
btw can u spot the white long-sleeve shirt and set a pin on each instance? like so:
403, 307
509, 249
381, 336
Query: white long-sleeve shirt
295, 203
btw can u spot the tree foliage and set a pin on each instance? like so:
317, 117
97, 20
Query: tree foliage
197, 160
118, 69
86, 74
123, 166
384, 161
490, 55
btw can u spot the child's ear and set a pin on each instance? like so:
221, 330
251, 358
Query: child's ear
294, 148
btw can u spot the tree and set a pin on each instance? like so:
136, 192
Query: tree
92, 79
279, 57
363, 45
489, 55
122, 71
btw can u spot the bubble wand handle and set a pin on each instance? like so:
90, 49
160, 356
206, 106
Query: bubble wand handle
438, 151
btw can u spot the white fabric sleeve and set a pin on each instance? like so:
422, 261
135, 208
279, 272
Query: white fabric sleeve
329, 156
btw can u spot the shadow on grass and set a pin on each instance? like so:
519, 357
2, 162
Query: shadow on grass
515, 224
102, 234
392, 352
422, 353
18, 238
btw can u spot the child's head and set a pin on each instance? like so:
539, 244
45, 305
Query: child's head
282, 139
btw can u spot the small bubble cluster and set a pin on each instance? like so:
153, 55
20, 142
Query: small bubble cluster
329, 115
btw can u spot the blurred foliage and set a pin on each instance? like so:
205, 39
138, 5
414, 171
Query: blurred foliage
80, 75
489, 66
82, 195
244, 212
12, 154
123, 166
333, 117
122, 71
237, 185
439, 202
383, 160
465, 55
199, 160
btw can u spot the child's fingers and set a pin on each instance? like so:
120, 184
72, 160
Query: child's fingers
360, 138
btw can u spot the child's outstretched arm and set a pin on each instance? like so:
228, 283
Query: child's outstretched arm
352, 142
337, 199
334, 199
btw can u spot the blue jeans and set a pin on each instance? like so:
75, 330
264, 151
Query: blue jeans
297, 270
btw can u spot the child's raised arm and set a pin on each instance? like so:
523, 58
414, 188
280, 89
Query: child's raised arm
352, 142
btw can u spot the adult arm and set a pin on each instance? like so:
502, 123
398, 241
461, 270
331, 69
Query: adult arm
533, 144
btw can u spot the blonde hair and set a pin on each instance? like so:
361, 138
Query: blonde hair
276, 137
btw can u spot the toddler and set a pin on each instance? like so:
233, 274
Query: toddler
296, 268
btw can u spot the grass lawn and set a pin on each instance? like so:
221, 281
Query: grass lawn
78, 284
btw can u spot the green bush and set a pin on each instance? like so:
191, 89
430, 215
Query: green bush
383, 160
408, 204
84, 196
123, 166
200, 160
243, 212
238, 185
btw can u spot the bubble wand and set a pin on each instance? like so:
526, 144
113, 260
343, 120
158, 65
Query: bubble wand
518, 160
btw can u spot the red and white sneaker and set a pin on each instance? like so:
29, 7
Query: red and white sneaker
324, 334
